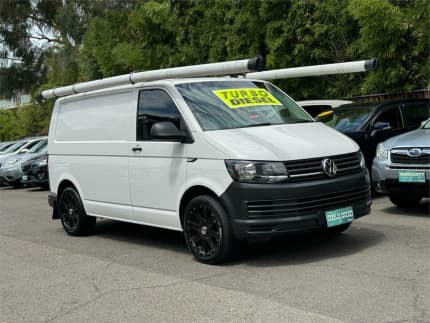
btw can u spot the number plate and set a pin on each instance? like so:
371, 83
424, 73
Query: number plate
339, 216
411, 176
25, 178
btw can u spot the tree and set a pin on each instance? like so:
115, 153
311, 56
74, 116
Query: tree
398, 34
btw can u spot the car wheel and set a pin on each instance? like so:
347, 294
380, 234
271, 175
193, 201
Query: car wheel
405, 201
207, 231
72, 214
338, 229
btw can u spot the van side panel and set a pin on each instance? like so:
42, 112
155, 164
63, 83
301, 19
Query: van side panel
91, 146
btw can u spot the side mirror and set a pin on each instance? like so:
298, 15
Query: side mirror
379, 126
166, 130
23, 151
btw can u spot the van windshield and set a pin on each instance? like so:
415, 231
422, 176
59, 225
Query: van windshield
221, 105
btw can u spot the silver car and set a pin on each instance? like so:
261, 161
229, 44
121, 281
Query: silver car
401, 167
10, 168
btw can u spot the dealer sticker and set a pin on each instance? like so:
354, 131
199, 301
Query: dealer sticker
240, 98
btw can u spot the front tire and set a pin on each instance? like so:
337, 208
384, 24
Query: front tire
72, 214
405, 201
207, 230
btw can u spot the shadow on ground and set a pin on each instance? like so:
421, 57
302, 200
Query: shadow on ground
140, 234
421, 210
311, 247
286, 250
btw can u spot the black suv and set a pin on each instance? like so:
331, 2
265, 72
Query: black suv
370, 124
35, 172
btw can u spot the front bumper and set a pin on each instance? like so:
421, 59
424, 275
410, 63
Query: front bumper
385, 177
267, 210
36, 176
10, 175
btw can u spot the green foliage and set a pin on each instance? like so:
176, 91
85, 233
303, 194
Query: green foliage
31, 120
93, 39
10, 126
399, 37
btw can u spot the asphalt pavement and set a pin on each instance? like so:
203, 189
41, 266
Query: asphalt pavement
377, 271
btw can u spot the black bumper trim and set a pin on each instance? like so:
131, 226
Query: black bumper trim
393, 186
302, 205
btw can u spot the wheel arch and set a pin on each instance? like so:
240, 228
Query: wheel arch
191, 193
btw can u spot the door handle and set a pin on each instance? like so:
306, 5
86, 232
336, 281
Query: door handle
135, 149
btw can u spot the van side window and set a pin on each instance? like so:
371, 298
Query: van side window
391, 116
155, 106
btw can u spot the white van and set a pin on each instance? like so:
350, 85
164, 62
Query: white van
221, 159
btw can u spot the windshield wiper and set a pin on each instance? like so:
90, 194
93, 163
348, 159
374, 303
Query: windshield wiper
301, 121
258, 125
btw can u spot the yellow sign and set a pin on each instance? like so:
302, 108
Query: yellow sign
239, 98
325, 113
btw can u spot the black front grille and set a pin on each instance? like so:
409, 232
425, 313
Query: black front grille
311, 169
400, 158
306, 205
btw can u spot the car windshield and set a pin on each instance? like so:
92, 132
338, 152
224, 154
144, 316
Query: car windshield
39, 146
221, 105
5, 146
14, 147
427, 125
346, 119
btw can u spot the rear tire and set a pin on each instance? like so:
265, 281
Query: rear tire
72, 214
405, 201
207, 231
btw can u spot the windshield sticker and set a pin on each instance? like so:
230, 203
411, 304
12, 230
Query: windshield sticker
325, 113
240, 98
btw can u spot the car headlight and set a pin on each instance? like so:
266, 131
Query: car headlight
10, 163
256, 172
43, 162
381, 151
362, 161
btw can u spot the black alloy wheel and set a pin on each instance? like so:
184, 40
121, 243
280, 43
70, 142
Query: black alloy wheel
207, 230
72, 214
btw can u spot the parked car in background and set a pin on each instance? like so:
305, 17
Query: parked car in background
10, 169
370, 124
5, 145
401, 167
20, 147
35, 171
315, 107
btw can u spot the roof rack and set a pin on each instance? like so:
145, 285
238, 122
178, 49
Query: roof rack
213, 69
247, 68
316, 70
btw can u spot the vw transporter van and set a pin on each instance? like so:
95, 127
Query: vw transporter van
221, 159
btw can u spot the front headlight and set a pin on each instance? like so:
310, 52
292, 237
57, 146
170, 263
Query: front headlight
381, 151
10, 163
362, 161
256, 172
43, 162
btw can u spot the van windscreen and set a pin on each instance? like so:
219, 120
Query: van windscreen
221, 105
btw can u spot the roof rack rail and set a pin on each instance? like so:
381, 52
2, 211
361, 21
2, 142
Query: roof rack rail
213, 69
316, 70
247, 68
